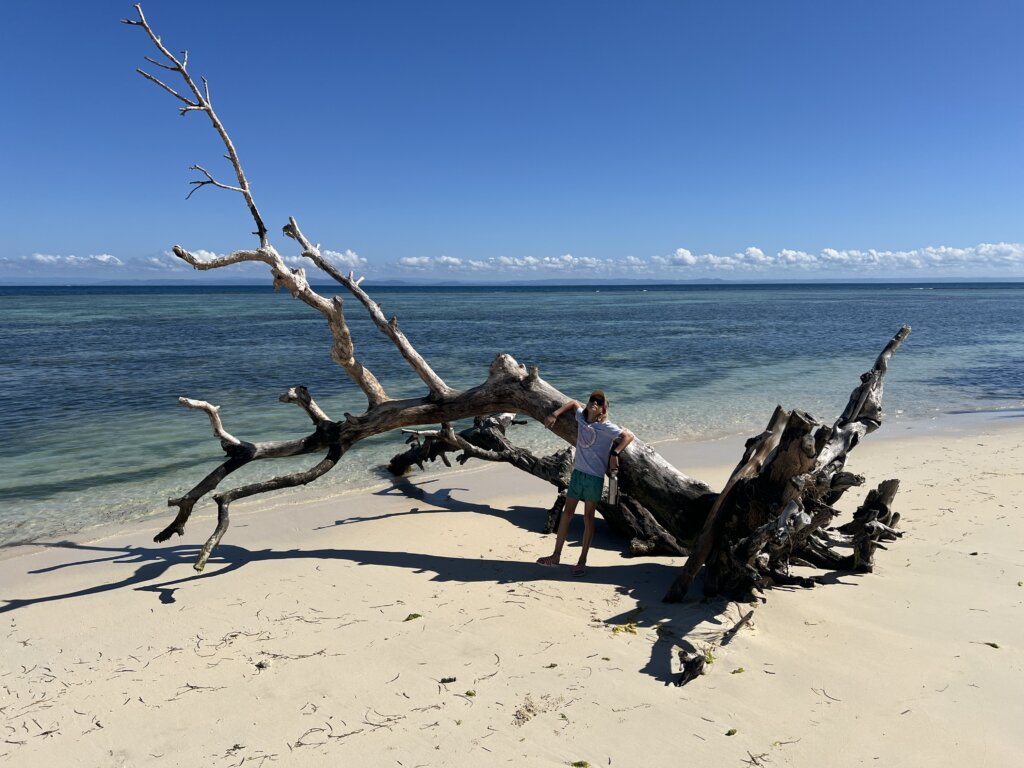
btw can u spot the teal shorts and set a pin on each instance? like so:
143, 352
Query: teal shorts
584, 487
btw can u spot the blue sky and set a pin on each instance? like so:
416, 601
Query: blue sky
524, 140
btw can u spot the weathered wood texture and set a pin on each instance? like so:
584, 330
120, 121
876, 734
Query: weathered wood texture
775, 508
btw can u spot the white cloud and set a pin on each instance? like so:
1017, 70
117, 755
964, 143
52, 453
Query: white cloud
754, 253
985, 259
444, 262
564, 263
99, 260
415, 262
788, 257
681, 258
347, 259
569, 262
165, 261
933, 260
993, 260
510, 262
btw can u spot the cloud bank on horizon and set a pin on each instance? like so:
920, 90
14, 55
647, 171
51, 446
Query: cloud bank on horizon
985, 260
988, 259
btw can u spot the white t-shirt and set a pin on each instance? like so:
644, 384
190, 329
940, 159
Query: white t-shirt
593, 444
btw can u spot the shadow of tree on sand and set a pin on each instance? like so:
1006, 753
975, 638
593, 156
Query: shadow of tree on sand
529, 518
684, 626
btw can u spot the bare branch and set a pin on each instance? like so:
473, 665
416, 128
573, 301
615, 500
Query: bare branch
866, 401
209, 180
224, 500
471, 451
438, 388
174, 93
448, 436
153, 36
215, 537
485, 440
187, 502
432, 434
237, 257
213, 411
342, 351
202, 102
300, 396
294, 280
863, 412
153, 61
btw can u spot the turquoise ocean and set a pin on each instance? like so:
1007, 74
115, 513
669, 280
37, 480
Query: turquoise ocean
91, 433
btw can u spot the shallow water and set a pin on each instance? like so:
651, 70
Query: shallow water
90, 431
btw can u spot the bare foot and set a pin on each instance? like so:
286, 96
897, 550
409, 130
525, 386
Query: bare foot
551, 560
579, 570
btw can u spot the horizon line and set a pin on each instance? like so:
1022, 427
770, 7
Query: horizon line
550, 282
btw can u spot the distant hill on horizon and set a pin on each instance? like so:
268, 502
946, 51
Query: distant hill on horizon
550, 282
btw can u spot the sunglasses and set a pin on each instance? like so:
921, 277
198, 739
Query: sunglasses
597, 400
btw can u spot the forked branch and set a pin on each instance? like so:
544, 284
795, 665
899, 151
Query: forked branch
213, 411
300, 396
200, 101
285, 481
389, 328
199, 183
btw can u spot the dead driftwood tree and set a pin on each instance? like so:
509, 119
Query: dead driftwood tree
774, 511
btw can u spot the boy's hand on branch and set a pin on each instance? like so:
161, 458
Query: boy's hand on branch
549, 422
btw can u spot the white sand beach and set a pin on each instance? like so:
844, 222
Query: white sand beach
323, 633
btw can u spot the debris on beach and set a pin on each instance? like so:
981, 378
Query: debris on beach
629, 627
